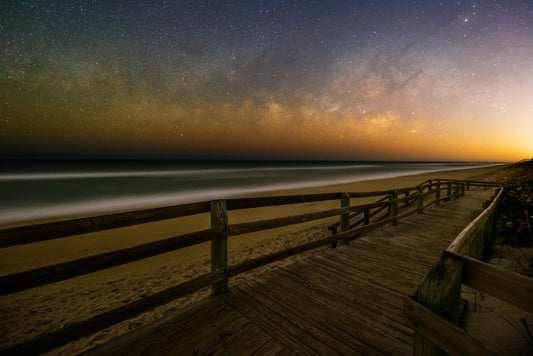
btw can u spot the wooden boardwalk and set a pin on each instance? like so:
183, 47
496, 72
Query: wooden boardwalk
346, 300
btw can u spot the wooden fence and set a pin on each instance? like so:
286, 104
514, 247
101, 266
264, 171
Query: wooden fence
397, 208
434, 308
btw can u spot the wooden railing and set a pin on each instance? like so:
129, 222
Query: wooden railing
217, 234
434, 308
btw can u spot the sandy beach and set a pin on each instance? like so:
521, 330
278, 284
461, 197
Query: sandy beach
38, 311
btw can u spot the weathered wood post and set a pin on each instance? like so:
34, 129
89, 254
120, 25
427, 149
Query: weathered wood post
462, 189
489, 229
467, 186
219, 246
440, 292
345, 218
448, 191
420, 199
366, 217
407, 201
394, 206
477, 246
437, 192
334, 232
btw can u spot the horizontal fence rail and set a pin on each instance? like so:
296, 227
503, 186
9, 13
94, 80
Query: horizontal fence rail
465, 237
389, 208
54, 230
513, 288
61, 271
441, 332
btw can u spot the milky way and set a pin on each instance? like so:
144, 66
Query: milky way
400, 80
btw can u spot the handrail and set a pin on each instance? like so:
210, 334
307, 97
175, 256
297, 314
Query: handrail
218, 233
247, 203
513, 288
443, 333
244, 228
466, 236
49, 274
477, 182
433, 307
379, 203
358, 212
48, 231
53, 230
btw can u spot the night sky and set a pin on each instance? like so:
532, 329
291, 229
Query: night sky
340, 80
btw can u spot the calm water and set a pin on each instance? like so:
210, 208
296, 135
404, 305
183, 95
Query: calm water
33, 190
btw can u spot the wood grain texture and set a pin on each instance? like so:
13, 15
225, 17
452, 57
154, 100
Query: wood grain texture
462, 241
510, 287
219, 244
54, 230
247, 203
446, 335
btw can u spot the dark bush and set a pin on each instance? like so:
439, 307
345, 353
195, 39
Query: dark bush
516, 209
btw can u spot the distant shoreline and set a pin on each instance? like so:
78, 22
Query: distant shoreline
134, 200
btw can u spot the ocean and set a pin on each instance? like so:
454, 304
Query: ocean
47, 189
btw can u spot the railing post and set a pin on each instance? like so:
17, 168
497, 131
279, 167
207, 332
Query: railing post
488, 235
440, 292
467, 186
448, 191
334, 232
437, 192
407, 196
454, 190
345, 218
462, 189
420, 199
366, 217
394, 206
219, 246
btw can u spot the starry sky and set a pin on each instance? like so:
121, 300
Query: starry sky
328, 80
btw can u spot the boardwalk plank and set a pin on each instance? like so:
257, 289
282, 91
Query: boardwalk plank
350, 313
349, 300
374, 276
363, 257
273, 348
343, 279
296, 308
390, 252
355, 335
273, 325
373, 295
247, 340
